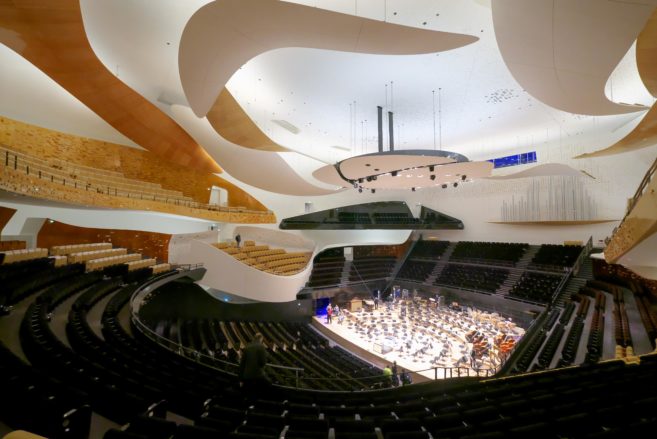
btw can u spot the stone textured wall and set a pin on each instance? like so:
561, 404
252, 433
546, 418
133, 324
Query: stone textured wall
133, 163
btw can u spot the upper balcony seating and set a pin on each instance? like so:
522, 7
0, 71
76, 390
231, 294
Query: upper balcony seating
498, 253
553, 257
372, 267
394, 218
429, 249
271, 260
468, 277
56, 250
85, 256
417, 271
86, 178
354, 218
13, 256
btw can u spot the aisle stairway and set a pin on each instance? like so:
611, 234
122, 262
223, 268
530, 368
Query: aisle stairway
576, 281
515, 273
346, 269
527, 257
440, 265
510, 281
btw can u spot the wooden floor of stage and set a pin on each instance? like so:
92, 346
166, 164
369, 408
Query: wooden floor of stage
422, 365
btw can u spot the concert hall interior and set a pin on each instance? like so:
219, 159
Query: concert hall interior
328, 219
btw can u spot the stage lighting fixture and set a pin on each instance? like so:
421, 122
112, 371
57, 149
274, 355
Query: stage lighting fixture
433, 177
444, 186
463, 177
373, 191
393, 173
456, 183
431, 168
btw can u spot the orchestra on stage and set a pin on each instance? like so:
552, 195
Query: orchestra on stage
422, 333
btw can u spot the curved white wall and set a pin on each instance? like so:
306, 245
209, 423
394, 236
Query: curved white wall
226, 273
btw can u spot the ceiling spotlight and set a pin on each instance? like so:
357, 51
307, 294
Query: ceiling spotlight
393, 173
456, 183
373, 191
463, 177
444, 186
413, 189
431, 168
433, 177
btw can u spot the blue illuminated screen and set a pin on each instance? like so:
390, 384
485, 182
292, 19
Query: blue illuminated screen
514, 160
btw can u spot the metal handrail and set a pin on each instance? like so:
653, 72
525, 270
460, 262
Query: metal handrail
440, 372
16, 162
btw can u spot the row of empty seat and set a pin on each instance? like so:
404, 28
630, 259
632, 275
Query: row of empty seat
94, 256
13, 256
262, 257
86, 178
77, 248
120, 376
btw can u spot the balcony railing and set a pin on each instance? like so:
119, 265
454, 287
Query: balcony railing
42, 170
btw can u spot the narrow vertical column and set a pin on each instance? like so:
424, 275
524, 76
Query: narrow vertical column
391, 136
379, 111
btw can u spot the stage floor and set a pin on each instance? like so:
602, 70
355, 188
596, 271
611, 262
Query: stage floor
418, 343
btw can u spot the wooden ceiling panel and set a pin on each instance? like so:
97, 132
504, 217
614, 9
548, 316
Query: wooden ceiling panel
51, 35
645, 133
233, 124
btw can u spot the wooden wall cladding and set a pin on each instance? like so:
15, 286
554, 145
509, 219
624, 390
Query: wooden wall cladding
5, 215
233, 124
151, 244
51, 35
132, 163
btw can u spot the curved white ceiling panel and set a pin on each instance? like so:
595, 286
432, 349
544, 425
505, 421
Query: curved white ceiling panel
223, 35
563, 51
546, 170
262, 169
